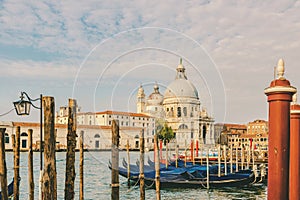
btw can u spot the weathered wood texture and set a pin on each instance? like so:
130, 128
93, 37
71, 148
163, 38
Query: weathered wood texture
30, 167
70, 157
157, 170
128, 161
3, 169
81, 164
49, 175
142, 156
115, 161
17, 163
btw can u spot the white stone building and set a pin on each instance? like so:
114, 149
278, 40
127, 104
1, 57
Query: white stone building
95, 137
180, 107
130, 124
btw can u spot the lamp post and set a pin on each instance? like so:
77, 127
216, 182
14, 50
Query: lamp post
23, 108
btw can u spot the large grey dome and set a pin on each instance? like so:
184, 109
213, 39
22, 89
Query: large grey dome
181, 87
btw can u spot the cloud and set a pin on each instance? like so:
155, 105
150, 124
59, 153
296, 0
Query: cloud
244, 40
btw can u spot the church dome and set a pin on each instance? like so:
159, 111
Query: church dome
181, 87
155, 98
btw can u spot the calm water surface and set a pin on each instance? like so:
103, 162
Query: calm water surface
97, 180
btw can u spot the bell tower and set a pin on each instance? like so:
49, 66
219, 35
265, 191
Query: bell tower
140, 105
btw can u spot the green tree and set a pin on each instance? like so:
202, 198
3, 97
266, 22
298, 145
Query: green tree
165, 133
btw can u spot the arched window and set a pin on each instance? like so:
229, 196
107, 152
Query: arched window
183, 126
97, 136
24, 140
24, 134
136, 137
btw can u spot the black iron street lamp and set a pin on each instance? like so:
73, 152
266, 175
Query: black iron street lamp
23, 108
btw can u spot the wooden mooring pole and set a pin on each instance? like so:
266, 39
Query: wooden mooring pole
49, 189
166, 159
176, 155
17, 163
70, 156
294, 182
185, 153
236, 156
192, 152
3, 169
225, 159
231, 159
207, 168
81, 164
242, 157
30, 167
157, 170
142, 156
115, 160
128, 166
219, 160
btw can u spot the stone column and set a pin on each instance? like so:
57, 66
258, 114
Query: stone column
279, 97
294, 186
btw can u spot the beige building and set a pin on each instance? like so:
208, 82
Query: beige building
257, 134
95, 137
130, 124
180, 108
254, 134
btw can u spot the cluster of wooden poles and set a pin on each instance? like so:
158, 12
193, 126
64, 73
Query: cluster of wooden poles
48, 181
115, 164
238, 155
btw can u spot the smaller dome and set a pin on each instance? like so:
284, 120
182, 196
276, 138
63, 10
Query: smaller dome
155, 98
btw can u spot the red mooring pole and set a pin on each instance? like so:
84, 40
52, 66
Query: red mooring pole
192, 150
160, 149
294, 187
279, 97
197, 148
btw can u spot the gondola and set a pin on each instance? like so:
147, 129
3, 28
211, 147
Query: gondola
187, 178
230, 180
10, 188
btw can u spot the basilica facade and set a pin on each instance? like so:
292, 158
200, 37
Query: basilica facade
180, 108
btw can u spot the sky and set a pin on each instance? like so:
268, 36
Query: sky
100, 52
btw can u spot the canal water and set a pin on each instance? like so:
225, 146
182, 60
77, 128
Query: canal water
97, 179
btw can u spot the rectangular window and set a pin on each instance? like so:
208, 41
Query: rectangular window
97, 144
6, 138
24, 143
